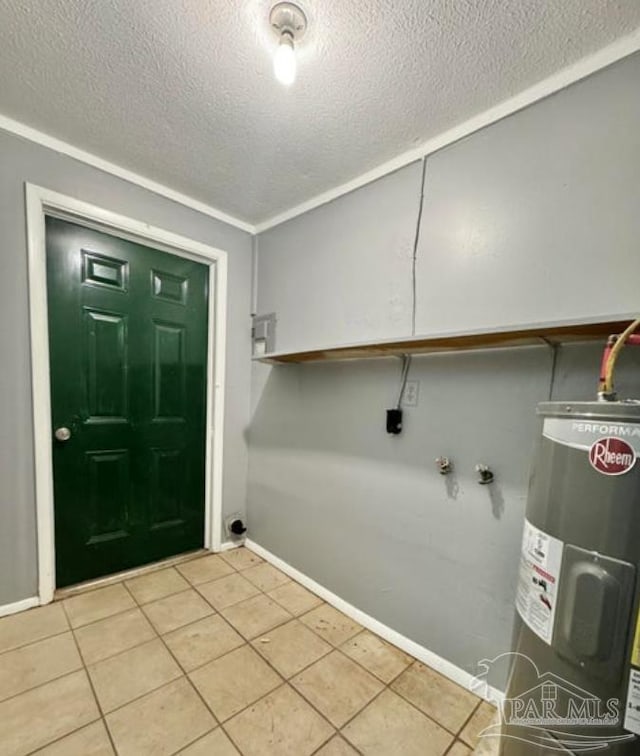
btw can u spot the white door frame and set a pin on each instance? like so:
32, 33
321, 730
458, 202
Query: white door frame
41, 202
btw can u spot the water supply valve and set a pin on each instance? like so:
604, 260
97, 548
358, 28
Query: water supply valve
444, 465
485, 475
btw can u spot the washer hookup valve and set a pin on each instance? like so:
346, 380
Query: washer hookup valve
485, 474
444, 464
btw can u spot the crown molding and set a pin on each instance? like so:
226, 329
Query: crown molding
586, 66
58, 145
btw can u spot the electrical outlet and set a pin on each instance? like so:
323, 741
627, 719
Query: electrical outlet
411, 394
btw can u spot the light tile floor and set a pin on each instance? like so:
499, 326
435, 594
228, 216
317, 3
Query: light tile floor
218, 656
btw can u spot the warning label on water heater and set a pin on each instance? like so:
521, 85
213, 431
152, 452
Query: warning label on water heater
632, 712
537, 595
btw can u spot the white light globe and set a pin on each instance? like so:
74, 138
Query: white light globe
284, 61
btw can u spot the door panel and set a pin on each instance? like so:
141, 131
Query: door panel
105, 341
168, 475
108, 494
170, 371
128, 352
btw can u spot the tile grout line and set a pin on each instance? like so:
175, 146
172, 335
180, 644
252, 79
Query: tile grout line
363, 707
33, 642
93, 690
120, 653
158, 635
42, 685
200, 696
468, 719
336, 648
108, 581
137, 606
456, 742
387, 686
429, 716
350, 720
140, 607
184, 674
337, 734
456, 734
82, 667
284, 682
333, 647
100, 619
197, 740
384, 682
68, 734
142, 695
85, 668
189, 682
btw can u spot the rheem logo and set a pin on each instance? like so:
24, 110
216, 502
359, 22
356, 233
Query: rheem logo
612, 456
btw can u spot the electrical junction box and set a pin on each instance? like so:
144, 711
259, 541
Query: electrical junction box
263, 334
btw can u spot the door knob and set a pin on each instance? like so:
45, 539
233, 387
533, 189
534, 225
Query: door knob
62, 434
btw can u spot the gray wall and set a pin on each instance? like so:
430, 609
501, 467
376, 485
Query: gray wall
532, 219
368, 516
22, 161
536, 217
342, 273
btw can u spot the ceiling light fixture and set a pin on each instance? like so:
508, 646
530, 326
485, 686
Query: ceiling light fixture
289, 23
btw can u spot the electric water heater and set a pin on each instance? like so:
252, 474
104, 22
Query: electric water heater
574, 685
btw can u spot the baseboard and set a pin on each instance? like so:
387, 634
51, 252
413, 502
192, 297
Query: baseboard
421, 653
228, 545
19, 606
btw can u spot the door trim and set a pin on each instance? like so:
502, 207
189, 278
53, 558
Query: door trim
41, 202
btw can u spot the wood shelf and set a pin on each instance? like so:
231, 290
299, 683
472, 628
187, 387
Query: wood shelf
550, 333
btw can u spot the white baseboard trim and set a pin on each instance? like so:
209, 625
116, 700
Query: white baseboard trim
444, 667
228, 545
19, 606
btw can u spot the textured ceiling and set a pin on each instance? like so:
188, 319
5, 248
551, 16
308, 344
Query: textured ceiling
182, 91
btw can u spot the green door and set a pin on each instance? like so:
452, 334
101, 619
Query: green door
128, 353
